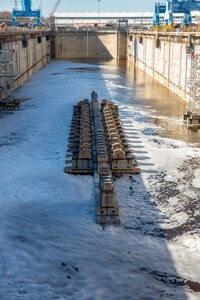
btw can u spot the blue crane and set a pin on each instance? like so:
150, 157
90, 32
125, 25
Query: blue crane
26, 12
175, 6
159, 8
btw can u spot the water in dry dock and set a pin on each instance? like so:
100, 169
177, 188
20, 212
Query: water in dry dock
51, 247
133, 87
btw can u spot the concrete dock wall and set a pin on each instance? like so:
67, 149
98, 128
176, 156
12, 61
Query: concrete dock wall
33, 52
91, 44
163, 57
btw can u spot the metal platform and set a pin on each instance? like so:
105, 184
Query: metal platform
192, 117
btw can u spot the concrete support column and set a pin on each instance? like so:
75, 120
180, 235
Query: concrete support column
53, 38
122, 40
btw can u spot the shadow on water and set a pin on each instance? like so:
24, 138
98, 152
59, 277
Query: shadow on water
135, 257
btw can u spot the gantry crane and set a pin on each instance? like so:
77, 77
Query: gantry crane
26, 12
175, 6
159, 8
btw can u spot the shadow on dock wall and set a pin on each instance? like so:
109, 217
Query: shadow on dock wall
86, 45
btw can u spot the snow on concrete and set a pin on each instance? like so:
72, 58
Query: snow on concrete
50, 245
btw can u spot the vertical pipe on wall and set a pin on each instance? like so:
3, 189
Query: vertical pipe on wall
144, 52
169, 61
87, 42
53, 37
180, 64
164, 59
117, 33
27, 59
153, 56
135, 56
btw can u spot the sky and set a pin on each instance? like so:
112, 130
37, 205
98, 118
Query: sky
87, 5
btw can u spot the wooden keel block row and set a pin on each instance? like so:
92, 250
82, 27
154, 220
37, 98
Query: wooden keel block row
80, 139
120, 155
107, 211
115, 144
101, 148
107, 216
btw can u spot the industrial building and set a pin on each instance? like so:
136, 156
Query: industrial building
135, 19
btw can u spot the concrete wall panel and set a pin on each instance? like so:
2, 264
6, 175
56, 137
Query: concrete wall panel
165, 61
28, 59
88, 44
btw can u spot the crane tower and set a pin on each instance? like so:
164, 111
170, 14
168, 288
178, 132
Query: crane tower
26, 12
172, 7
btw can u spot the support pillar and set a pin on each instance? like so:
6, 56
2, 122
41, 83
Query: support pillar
53, 37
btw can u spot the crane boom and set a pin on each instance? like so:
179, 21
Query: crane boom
55, 7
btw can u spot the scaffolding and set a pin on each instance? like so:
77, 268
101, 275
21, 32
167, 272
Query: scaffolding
194, 85
192, 116
6, 76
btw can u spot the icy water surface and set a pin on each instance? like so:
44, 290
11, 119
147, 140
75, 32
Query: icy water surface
51, 247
